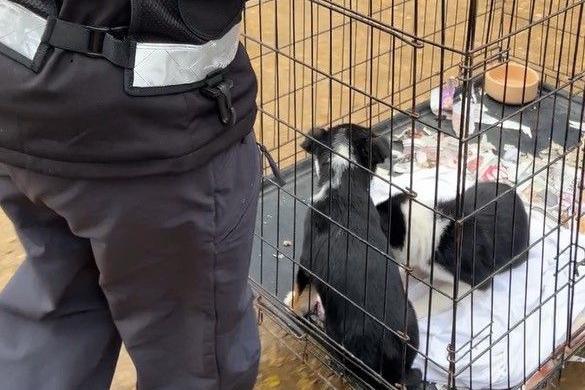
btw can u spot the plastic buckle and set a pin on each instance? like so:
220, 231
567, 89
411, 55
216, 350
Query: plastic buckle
219, 88
97, 36
95, 45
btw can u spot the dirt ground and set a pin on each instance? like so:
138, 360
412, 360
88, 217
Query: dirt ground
315, 67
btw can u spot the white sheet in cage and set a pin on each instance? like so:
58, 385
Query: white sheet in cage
484, 361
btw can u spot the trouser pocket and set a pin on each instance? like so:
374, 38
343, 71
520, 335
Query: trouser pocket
237, 183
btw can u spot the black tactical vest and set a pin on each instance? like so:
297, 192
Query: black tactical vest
74, 116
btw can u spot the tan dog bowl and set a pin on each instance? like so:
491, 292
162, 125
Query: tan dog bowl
520, 80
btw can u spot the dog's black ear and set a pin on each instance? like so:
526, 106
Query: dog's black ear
380, 150
308, 144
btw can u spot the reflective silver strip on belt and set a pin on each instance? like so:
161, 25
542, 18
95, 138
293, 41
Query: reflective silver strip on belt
21, 30
24, 36
164, 64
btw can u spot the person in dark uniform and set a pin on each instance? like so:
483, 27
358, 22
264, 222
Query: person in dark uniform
133, 177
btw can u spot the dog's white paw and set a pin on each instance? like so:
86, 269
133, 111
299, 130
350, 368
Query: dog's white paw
288, 300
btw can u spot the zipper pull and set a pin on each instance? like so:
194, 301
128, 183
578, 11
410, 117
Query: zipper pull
219, 89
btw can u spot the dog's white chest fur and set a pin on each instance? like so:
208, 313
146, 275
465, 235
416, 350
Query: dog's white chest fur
420, 241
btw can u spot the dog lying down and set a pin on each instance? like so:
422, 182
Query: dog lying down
341, 277
494, 239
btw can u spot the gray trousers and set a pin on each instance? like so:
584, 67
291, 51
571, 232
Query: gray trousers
159, 263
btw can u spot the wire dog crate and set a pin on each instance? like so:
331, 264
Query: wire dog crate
416, 72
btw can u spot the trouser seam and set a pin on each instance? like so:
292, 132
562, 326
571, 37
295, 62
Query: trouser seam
213, 278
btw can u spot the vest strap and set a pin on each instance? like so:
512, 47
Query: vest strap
98, 42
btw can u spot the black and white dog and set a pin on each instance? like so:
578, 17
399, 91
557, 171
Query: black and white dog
490, 239
341, 276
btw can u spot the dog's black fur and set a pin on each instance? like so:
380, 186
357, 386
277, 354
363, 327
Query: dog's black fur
506, 218
353, 268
